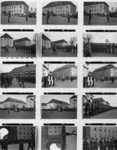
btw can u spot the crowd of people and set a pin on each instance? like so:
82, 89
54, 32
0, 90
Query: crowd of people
107, 48
6, 80
103, 143
91, 108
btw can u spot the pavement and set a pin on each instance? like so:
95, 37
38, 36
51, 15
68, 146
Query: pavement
105, 84
17, 20
99, 20
49, 53
14, 53
59, 20
16, 146
65, 84
16, 85
112, 114
17, 115
103, 55
59, 115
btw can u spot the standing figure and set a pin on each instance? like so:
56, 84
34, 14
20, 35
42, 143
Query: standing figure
68, 17
21, 146
48, 15
27, 17
108, 19
9, 16
90, 16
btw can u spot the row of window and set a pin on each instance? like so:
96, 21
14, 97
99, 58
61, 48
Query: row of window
13, 7
105, 130
94, 6
60, 7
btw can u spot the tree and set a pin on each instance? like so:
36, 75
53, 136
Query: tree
88, 38
31, 9
73, 41
112, 9
35, 38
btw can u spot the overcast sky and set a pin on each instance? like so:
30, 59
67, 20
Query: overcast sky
102, 37
92, 67
111, 4
112, 99
18, 97
47, 98
53, 36
9, 67
19, 35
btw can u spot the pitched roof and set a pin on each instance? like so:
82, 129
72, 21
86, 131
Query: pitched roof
24, 69
59, 3
64, 67
9, 99
104, 67
6, 36
74, 96
59, 41
58, 102
45, 37
22, 39
94, 3
12, 3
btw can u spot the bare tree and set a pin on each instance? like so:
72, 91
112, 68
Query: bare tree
88, 38
35, 38
73, 40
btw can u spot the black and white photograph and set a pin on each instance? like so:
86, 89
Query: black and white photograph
60, 13
100, 75
18, 45
17, 137
59, 106
99, 106
58, 137
59, 44
59, 75
17, 75
100, 44
99, 137
17, 106
18, 13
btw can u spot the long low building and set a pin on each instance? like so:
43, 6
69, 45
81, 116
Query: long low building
61, 43
60, 8
22, 42
104, 72
65, 72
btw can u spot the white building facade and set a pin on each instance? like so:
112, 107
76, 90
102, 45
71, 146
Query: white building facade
6, 40
30, 101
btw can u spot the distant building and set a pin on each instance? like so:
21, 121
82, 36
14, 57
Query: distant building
6, 40
73, 101
104, 72
30, 101
12, 103
96, 7
85, 70
60, 8
22, 42
53, 104
98, 132
61, 43
45, 70
46, 42
65, 72
15, 7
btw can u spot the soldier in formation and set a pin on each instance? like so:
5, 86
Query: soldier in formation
6, 80
100, 144
91, 108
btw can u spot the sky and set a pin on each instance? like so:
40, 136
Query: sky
31, 4
18, 97
18, 36
9, 67
112, 4
92, 67
47, 98
102, 37
60, 35
112, 99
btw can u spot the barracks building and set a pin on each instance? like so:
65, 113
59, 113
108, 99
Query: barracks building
107, 71
22, 42
65, 72
96, 7
6, 40
61, 43
60, 8
15, 7
46, 42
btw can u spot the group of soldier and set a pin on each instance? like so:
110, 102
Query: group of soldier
91, 108
107, 48
6, 80
30, 49
103, 143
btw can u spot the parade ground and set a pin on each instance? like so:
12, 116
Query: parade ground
103, 55
59, 20
13, 53
105, 84
16, 85
4, 114
16, 147
112, 114
49, 53
17, 20
65, 84
100, 20
59, 115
